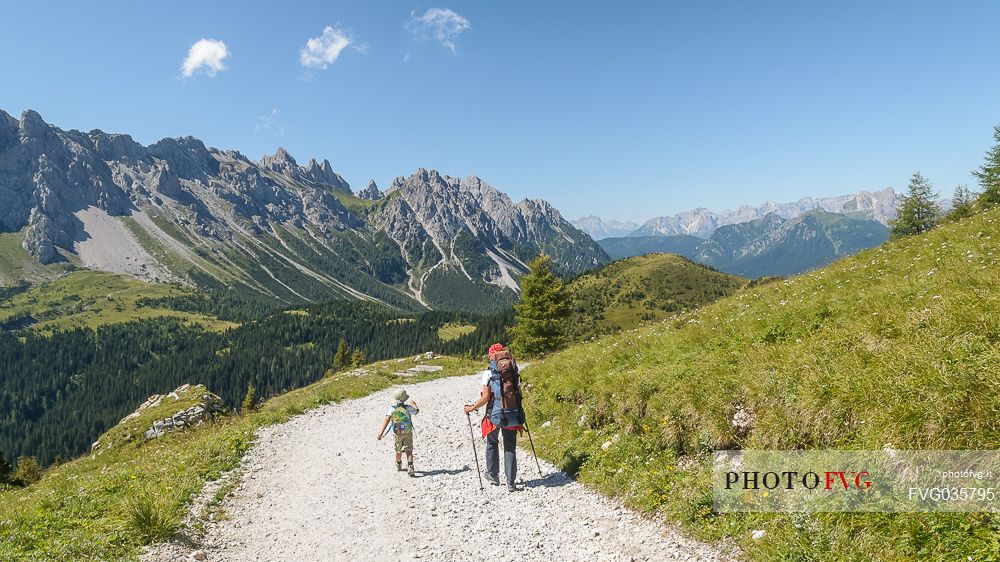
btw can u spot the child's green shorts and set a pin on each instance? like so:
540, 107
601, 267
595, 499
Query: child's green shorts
404, 442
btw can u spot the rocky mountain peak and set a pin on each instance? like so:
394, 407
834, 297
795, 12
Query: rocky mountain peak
32, 126
188, 156
116, 146
323, 174
281, 161
397, 183
371, 193
8, 130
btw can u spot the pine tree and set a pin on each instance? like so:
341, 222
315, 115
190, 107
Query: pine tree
989, 175
918, 210
963, 204
542, 312
249, 400
357, 358
342, 357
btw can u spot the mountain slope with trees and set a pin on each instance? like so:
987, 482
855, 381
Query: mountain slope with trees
622, 294
62, 389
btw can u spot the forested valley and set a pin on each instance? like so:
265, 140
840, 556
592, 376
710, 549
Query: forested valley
60, 391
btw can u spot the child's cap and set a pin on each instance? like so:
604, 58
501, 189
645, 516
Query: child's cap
401, 395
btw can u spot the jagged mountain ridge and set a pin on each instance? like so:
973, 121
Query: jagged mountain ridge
180, 211
599, 228
701, 222
771, 245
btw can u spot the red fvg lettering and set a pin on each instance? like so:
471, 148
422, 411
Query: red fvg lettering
789, 480
832, 477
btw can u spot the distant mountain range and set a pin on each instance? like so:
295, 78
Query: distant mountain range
770, 245
178, 211
598, 228
879, 206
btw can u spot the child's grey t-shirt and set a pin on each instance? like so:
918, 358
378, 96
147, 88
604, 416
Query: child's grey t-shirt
409, 409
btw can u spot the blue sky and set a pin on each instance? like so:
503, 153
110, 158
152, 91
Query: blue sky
627, 109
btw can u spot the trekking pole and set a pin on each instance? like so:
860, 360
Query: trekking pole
474, 452
538, 464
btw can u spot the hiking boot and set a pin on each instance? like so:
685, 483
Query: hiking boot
411, 471
511, 488
492, 478
399, 466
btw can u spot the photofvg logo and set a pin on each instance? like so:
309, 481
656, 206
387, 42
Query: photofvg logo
862, 481
830, 480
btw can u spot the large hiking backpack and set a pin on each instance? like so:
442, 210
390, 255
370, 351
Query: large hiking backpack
401, 420
504, 409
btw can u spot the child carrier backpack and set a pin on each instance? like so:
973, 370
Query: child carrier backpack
504, 409
401, 421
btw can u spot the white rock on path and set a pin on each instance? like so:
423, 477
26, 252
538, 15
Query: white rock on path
322, 488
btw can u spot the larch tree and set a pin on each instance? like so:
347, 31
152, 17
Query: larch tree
963, 204
918, 210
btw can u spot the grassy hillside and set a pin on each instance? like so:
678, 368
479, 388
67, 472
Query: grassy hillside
18, 265
454, 330
897, 346
105, 507
86, 298
622, 294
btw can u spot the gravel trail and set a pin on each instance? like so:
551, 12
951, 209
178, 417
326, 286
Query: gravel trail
320, 487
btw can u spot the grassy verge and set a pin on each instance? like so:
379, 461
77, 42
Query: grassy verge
896, 347
136, 492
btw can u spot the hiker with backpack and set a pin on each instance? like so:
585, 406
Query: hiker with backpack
501, 394
401, 415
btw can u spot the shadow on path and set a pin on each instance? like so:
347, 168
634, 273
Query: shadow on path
552, 480
440, 472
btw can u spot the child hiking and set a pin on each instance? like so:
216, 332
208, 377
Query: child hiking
501, 394
401, 416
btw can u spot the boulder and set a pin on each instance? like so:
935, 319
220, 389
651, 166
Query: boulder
201, 413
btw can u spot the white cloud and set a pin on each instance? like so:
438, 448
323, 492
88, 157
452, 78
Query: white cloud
206, 55
270, 123
322, 51
440, 24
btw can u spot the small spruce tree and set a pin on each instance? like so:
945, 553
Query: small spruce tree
989, 175
541, 315
357, 358
249, 400
342, 358
28, 471
918, 210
